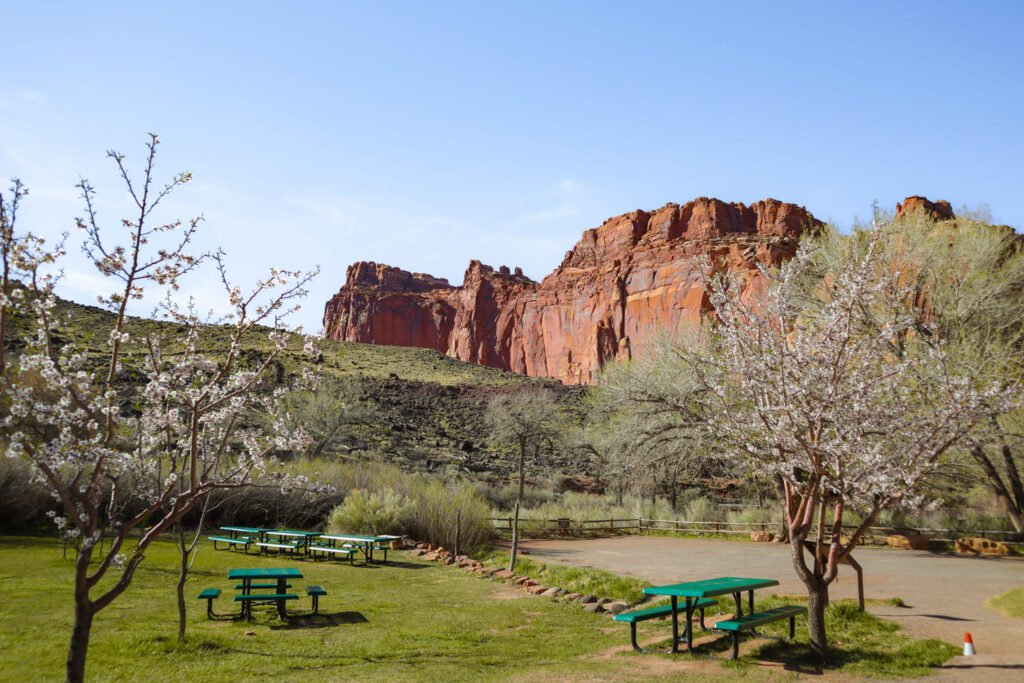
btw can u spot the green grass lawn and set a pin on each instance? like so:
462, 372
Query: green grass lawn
1011, 603
407, 620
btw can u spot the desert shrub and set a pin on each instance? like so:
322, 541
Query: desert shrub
703, 510
364, 512
756, 516
441, 513
503, 497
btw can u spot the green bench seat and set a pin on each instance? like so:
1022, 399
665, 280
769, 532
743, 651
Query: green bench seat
632, 618
209, 594
751, 621
279, 547
330, 550
315, 592
268, 597
231, 542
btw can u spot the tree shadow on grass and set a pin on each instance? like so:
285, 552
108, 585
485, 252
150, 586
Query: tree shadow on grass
322, 620
401, 565
906, 659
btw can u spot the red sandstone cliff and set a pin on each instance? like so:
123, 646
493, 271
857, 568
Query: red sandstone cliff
622, 282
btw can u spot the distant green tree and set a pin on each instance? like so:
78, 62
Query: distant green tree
530, 421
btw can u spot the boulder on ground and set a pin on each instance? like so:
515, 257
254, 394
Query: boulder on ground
529, 583
418, 551
552, 592
981, 546
503, 574
593, 607
603, 601
536, 589
432, 555
761, 536
908, 541
616, 607
572, 596
586, 599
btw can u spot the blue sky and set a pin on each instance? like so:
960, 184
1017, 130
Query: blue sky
427, 134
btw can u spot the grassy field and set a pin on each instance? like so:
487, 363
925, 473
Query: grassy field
407, 620
1011, 604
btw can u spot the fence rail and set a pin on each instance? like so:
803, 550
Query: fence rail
876, 532
573, 527
565, 526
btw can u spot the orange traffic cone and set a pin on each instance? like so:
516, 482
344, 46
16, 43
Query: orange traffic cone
968, 645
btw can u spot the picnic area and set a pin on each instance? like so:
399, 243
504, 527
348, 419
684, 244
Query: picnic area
411, 618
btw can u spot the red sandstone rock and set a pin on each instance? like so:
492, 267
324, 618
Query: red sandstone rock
635, 275
938, 210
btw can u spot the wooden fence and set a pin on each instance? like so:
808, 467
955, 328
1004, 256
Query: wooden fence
567, 527
596, 527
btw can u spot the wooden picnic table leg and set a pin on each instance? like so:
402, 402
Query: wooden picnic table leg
675, 624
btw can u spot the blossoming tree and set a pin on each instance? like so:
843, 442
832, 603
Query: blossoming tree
841, 399
130, 445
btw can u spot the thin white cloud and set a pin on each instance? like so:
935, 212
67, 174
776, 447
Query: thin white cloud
567, 195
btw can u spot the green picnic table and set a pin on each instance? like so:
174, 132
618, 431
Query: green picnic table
693, 591
236, 531
238, 536
280, 596
296, 538
364, 543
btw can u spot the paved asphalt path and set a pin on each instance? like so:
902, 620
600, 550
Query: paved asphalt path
944, 593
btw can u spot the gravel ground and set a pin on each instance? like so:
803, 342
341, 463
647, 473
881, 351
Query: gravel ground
945, 594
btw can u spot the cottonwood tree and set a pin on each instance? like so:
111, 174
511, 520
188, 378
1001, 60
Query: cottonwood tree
965, 284
656, 421
530, 421
840, 400
132, 445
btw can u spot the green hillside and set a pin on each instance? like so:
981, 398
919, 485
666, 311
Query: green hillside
415, 408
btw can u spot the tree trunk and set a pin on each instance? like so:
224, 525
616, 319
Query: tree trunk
817, 601
515, 516
1003, 495
84, 613
184, 553
515, 539
817, 590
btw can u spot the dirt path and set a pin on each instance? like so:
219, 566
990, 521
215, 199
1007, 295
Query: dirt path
944, 593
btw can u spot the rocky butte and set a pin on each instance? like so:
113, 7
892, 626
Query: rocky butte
615, 290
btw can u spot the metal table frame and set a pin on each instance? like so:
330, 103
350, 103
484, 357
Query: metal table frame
247, 575
708, 588
364, 543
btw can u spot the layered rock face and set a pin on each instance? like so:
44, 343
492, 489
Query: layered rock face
623, 283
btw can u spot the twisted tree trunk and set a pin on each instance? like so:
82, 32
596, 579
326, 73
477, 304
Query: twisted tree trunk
84, 613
